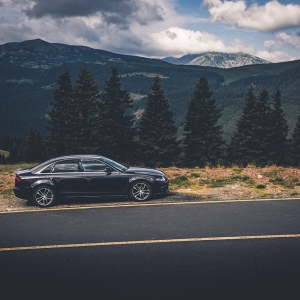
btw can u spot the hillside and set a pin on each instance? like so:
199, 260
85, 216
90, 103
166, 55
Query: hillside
217, 60
28, 78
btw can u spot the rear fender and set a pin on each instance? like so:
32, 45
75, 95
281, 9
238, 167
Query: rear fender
43, 182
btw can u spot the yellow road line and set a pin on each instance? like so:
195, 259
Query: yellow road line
222, 238
144, 204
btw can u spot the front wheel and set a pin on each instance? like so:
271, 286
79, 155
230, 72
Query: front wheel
44, 196
140, 191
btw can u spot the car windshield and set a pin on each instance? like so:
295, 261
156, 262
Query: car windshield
115, 164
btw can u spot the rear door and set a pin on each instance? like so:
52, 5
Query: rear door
97, 181
67, 177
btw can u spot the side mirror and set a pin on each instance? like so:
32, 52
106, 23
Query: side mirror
108, 170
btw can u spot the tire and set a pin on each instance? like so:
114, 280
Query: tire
44, 196
140, 191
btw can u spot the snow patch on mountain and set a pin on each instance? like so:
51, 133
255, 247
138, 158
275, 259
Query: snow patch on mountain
217, 59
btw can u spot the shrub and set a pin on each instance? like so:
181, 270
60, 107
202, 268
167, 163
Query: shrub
261, 186
195, 175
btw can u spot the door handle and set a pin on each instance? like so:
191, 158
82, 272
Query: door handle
88, 178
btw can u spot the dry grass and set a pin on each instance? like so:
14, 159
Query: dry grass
236, 183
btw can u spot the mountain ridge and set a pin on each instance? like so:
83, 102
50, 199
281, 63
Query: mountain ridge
217, 60
38, 53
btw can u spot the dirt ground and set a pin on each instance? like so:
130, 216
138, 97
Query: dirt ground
188, 185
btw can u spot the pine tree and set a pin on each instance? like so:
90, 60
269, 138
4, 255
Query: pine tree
279, 127
16, 149
263, 129
203, 141
156, 130
60, 117
119, 133
85, 118
295, 144
242, 148
35, 148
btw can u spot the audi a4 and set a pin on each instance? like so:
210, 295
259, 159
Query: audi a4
87, 175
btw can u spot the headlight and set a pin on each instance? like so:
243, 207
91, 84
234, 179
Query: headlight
161, 178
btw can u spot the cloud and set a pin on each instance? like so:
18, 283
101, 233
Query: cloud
179, 41
275, 56
270, 44
111, 11
272, 16
293, 40
71, 8
13, 33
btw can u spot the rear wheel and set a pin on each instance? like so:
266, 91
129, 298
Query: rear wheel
141, 191
44, 196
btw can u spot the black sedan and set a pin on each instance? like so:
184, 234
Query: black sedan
87, 175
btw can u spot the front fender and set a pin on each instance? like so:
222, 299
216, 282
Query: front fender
147, 178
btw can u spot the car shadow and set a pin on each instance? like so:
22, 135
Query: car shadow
114, 200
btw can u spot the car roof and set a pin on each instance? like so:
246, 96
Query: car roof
77, 156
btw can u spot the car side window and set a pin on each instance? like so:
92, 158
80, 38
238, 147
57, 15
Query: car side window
89, 165
47, 169
66, 166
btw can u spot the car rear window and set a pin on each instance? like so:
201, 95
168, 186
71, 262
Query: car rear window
66, 166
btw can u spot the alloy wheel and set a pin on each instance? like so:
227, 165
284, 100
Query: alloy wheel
44, 196
141, 191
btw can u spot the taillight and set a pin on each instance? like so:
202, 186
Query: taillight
18, 179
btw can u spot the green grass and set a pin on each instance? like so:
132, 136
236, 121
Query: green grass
180, 181
197, 175
274, 173
220, 182
282, 182
238, 170
216, 183
240, 178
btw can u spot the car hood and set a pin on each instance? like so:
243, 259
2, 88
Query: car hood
144, 171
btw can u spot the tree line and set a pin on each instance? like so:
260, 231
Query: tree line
85, 120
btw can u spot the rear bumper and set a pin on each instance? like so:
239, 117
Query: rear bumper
22, 193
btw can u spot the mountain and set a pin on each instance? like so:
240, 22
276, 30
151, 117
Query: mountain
29, 71
184, 60
217, 60
40, 54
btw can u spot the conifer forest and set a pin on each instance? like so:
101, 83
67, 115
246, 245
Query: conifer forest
82, 119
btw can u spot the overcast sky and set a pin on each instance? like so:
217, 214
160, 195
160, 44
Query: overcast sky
158, 28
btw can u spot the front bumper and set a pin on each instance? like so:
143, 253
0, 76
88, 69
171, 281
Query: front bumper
161, 187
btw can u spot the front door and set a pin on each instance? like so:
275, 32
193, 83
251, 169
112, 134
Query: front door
97, 181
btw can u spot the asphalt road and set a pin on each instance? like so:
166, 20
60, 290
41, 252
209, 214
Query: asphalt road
224, 250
